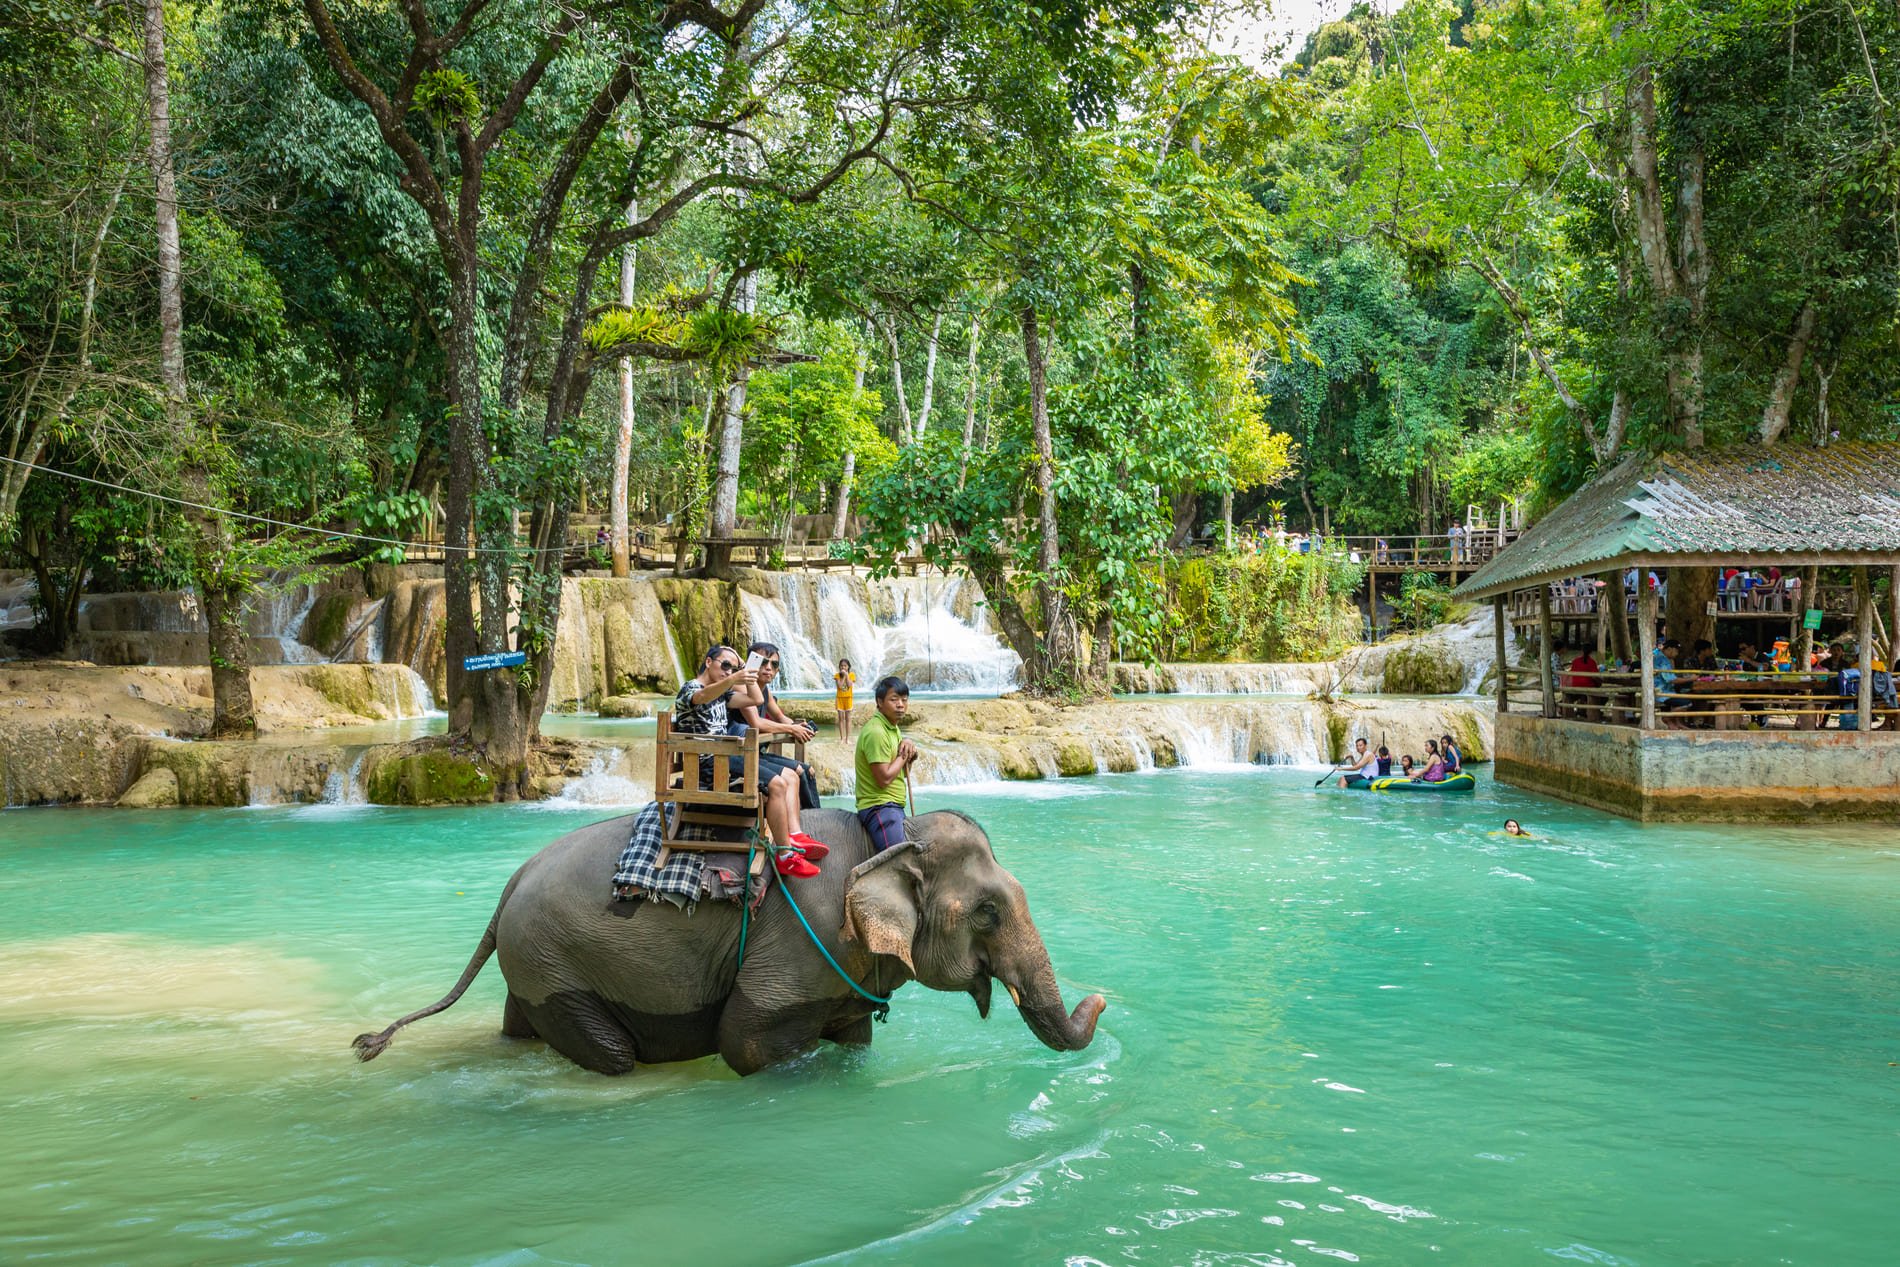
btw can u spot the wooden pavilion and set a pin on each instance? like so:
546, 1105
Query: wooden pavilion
1655, 738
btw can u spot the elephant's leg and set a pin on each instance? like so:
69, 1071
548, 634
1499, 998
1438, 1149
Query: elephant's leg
514, 1019
580, 1027
856, 1033
753, 1037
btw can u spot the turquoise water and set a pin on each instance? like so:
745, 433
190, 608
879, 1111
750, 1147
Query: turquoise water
1341, 1027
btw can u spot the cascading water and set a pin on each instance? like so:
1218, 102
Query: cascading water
916, 633
344, 786
604, 784
16, 602
279, 617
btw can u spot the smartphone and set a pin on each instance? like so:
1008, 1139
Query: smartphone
754, 660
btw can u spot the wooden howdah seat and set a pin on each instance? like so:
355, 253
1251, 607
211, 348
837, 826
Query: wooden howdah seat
733, 806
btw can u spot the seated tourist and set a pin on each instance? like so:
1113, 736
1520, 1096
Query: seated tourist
1749, 656
1434, 763
1702, 655
1385, 760
768, 718
1364, 763
1408, 768
1664, 659
702, 707
884, 758
1454, 759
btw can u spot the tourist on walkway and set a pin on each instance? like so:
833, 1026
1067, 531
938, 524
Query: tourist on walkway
884, 759
1457, 535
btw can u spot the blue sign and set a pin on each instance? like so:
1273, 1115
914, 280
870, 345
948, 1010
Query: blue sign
501, 660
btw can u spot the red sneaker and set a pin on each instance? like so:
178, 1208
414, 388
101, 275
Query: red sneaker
815, 850
793, 867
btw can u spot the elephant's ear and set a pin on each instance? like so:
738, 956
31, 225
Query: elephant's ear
880, 906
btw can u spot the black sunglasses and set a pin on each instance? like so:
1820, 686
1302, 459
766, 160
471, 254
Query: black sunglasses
730, 666
768, 664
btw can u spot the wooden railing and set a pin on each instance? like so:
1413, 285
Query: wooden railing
1478, 545
1721, 699
1579, 598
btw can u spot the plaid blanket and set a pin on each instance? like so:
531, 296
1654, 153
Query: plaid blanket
689, 877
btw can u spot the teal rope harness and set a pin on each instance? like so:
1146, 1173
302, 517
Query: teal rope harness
880, 1005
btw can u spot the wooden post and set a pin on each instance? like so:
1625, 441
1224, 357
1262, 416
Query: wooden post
1864, 637
1893, 620
1545, 650
1646, 646
1810, 597
1504, 665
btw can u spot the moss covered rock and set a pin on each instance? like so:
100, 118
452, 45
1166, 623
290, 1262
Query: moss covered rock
700, 614
427, 774
632, 705
1423, 668
155, 789
1074, 758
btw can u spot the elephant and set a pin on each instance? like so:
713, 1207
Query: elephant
611, 984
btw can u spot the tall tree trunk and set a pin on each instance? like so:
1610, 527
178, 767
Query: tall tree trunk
1678, 271
1059, 656
723, 520
1691, 593
1774, 415
969, 405
930, 374
888, 326
623, 438
220, 590
841, 511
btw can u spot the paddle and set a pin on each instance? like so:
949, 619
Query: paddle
1329, 774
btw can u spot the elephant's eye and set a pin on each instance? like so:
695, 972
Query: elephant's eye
986, 915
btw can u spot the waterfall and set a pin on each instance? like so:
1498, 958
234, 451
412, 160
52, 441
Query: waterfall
368, 626
344, 785
604, 784
16, 601
403, 691
909, 626
279, 618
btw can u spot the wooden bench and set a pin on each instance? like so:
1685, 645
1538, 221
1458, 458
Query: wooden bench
736, 804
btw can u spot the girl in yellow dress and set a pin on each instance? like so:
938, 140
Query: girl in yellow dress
844, 679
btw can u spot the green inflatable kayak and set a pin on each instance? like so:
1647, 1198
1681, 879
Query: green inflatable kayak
1455, 783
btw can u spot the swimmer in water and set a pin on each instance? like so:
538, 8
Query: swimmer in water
1512, 829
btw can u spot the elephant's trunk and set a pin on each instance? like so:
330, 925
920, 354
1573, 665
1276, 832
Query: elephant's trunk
1032, 984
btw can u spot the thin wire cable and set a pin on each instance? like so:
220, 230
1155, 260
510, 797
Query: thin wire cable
331, 533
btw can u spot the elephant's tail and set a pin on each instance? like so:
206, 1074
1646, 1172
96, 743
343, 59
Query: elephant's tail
370, 1046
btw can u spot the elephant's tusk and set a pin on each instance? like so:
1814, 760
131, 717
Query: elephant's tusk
1015, 996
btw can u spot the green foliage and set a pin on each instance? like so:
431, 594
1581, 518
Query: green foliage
447, 97
1424, 601
1273, 606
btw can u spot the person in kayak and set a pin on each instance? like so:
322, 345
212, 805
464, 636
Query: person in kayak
1407, 767
1363, 766
1454, 760
1434, 763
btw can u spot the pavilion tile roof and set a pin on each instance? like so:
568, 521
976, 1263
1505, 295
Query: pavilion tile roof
1780, 503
